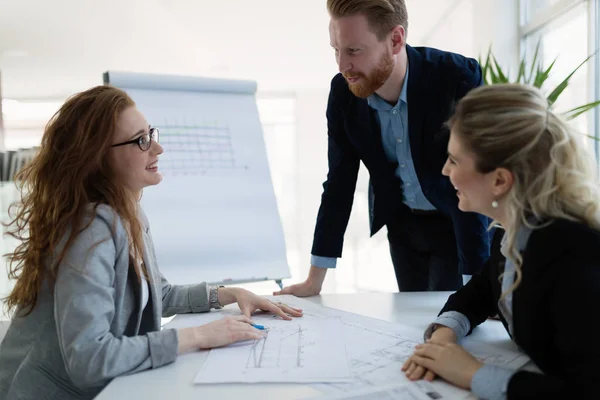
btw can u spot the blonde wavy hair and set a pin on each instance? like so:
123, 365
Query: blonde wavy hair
512, 126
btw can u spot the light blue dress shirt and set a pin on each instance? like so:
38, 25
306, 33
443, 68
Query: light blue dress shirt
393, 120
489, 382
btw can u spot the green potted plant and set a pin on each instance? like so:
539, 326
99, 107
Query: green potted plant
534, 75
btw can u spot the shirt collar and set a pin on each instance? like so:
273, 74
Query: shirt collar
520, 241
379, 104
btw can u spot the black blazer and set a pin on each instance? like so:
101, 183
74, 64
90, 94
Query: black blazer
436, 81
554, 310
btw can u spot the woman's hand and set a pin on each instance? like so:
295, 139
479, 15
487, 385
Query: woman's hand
414, 371
249, 303
218, 333
448, 360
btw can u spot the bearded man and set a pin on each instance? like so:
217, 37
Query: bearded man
387, 108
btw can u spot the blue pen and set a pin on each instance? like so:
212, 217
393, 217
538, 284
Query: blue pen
262, 328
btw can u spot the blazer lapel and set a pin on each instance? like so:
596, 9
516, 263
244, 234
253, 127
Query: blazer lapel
526, 296
364, 128
133, 282
154, 280
416, 96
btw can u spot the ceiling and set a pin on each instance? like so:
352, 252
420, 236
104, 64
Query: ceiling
50, 49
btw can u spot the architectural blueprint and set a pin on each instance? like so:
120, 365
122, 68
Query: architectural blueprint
377, 350
292, 351
373, 350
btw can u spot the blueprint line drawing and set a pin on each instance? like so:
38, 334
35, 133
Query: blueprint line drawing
377, 350
279, 349
305, 351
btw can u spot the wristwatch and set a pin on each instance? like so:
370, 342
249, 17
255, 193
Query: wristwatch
213, 297
429, 331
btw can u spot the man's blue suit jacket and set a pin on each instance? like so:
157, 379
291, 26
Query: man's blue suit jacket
437, 80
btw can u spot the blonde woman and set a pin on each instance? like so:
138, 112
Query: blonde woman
89, 295
513, 159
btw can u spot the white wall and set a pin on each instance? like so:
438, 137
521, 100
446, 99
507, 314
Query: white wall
471, 26
497, 23
463, 26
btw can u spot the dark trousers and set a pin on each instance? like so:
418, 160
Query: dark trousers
423, 250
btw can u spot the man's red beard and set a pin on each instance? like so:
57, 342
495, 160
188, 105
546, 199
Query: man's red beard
366, 86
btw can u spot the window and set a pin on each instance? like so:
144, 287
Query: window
277, 116
567, 31
536, 8
24, 121
557, 42
277, 113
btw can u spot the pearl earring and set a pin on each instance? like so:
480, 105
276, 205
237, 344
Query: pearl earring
494, 204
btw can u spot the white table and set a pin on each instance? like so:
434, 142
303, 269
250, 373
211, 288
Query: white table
174, 381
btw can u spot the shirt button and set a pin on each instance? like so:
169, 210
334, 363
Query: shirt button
394, 111
408, 184
399, 140
402, 166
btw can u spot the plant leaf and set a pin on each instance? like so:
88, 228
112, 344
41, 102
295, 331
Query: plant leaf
483, 71
521, 74
493, 76
563, 85
502, 78
486, 67
542, 75
534, 61
577, 111
590, 136
539, 78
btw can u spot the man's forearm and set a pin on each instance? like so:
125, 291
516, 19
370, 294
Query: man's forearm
316, 276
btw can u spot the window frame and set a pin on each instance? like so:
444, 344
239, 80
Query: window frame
531, 26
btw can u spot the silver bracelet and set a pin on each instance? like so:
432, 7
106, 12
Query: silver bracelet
213, 297
429, 331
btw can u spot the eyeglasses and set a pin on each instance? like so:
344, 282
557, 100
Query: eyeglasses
144, 141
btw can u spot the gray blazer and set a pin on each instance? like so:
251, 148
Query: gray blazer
89, 328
